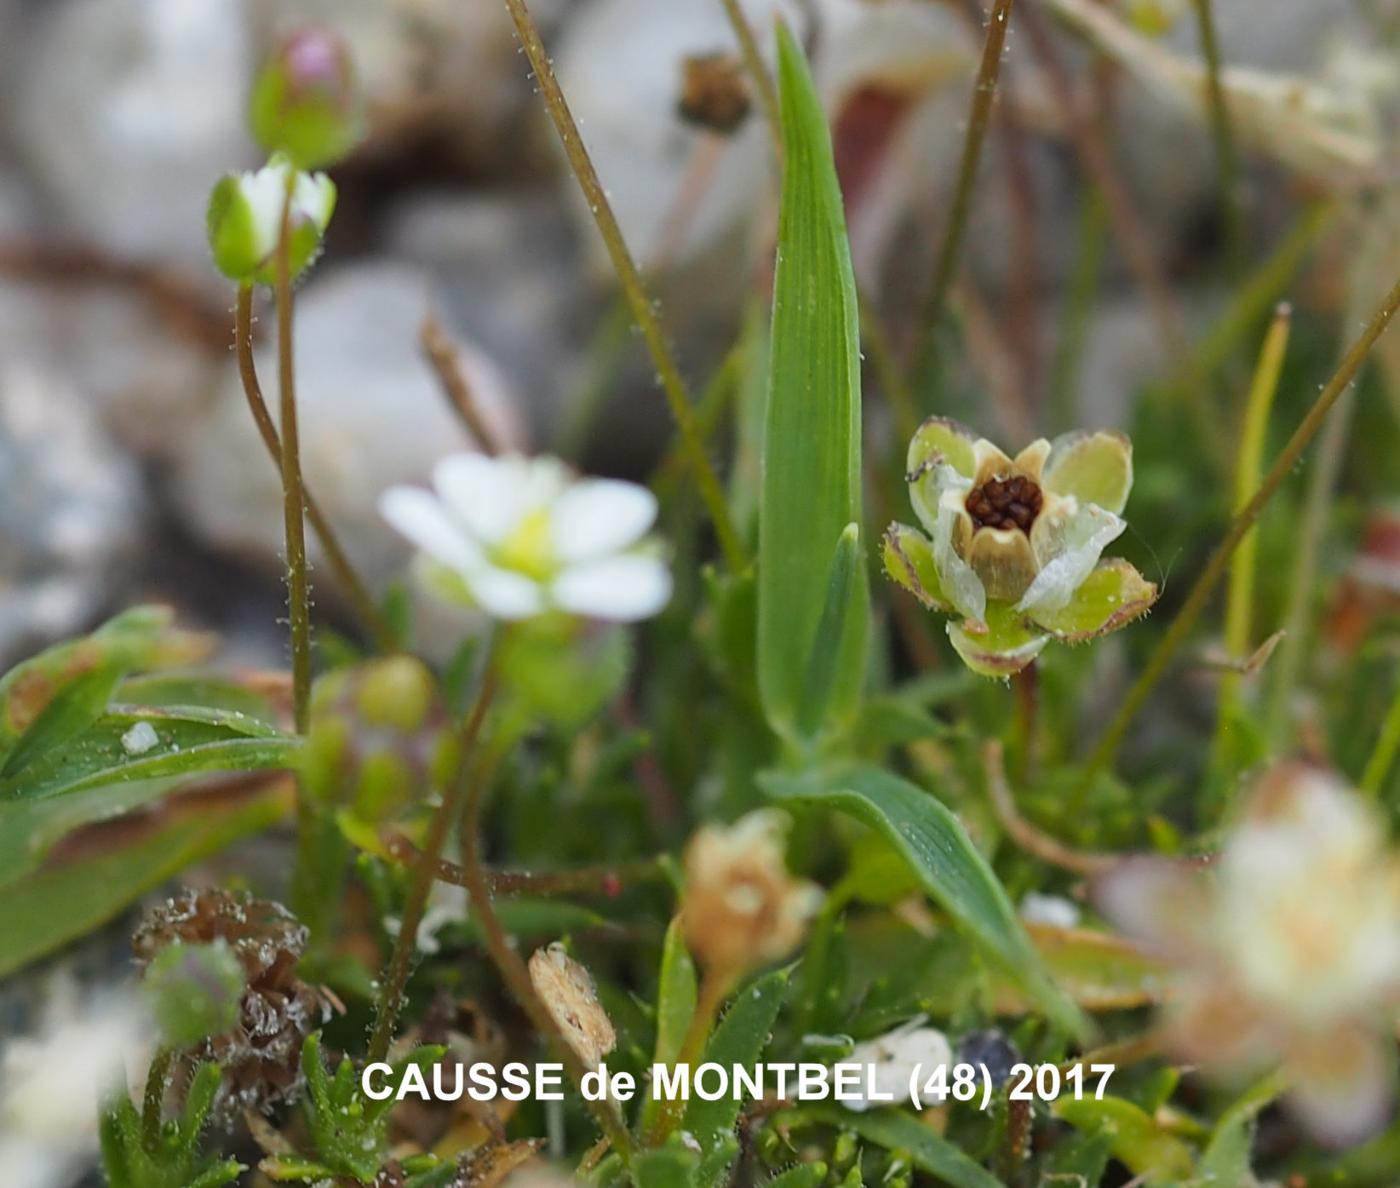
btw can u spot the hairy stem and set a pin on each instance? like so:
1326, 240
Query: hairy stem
602, 879
633, 287
405, 944
293, 502
1107, 748
512, 967
354, 588
983, 93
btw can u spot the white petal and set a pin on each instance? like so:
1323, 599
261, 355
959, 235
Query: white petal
503, 594
265, 192
621, 589
315, 198
1084, 534
421, 518
596, 517
485, 495
927, 488
962, 587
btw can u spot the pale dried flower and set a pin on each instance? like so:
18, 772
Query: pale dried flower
893, 1057
1286, 949
566, 988
741, 908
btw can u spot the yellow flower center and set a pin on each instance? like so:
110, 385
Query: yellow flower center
530, 548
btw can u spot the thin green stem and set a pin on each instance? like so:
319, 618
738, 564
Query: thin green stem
1239, 604
293, 502
1026, 684
758, 72
512, 967
1223, 133
1302, 583
983, 93
395, 976
355, 589
1107, 749
633, 287
1382, 759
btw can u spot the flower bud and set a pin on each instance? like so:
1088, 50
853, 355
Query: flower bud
195, 991
741, 907
245, 221
305, 102
378, 738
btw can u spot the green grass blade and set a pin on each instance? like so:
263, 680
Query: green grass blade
811, 448
950, 868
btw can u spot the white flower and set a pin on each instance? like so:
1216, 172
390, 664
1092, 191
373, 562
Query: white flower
520, 537
52, 1084
893, 1058
1286, 949
245, 220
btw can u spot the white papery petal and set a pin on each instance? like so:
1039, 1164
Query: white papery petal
927, 491
596, 517
620, 589
423, 519
1086, 532
961, 585
505, 595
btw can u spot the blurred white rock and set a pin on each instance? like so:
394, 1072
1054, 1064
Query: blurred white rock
71, 508
127, 112
371, 414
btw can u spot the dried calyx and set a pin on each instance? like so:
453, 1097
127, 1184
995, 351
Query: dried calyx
260, 1055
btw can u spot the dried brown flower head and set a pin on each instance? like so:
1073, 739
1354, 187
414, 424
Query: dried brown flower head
261, 1054
714, 91
567, 991
741, 907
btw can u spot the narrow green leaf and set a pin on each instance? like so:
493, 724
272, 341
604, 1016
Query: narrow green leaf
1139, 1143
1226, 1159
53, 907
738, 1041
170, 742
140, 638
927, 1150
843, 588
811, 446
675, 1006
950, 868
72, 710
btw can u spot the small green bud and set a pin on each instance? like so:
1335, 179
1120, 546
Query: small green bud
396, 692
305, 102
377, 739
195, 991
245, 221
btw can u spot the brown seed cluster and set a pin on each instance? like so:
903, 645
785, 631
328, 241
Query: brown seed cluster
261, 1056
1005, 503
